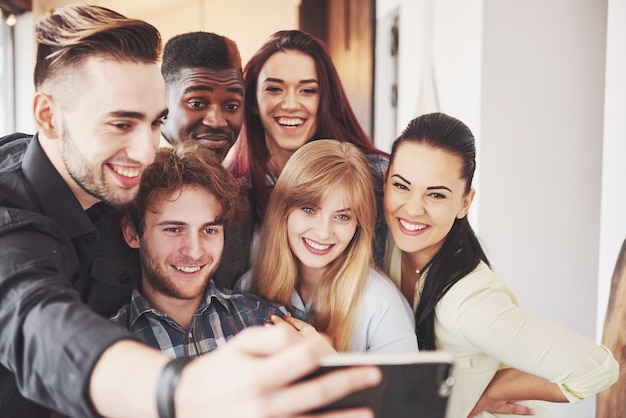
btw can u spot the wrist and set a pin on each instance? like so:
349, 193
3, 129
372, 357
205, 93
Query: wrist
166, 386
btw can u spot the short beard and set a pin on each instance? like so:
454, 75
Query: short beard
80, 171
160, 282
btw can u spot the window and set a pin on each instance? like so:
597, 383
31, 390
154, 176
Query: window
7, 95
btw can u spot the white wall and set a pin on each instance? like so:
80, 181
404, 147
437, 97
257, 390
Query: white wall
613, 211
25, 63
542, 114
456, 68
456, 61
529, 80
16, 116
6, 109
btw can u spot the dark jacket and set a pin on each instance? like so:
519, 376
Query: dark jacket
50, 339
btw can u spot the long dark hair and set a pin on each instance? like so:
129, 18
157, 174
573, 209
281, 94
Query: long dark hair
335, 118
461, 251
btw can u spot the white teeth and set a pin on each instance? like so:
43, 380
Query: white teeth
185, 269
127, 172
316, 245
290, 121
411, 227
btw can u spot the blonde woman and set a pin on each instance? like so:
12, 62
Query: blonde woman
315, 252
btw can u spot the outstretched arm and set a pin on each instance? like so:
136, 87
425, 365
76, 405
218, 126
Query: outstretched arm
257, 374
485, 313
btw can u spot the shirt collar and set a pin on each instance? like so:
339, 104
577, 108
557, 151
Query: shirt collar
302, 311
140, 306
54, 195
213, 292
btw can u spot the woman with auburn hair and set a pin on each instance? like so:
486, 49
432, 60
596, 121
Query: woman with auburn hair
504, 354
315, 253
293, 96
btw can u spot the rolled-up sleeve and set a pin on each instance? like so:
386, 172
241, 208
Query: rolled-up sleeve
484, 312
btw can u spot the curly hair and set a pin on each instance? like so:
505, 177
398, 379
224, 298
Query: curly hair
183, 165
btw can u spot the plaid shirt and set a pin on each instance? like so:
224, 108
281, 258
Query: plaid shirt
221, 315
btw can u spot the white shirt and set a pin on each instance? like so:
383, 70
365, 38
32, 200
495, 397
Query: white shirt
479, 321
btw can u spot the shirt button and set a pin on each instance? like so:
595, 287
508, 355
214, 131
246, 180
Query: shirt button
124, 278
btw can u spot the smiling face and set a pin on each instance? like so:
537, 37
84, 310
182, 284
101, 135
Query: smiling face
288, 98
181, 245
424, 194
106, 131
317, 236
205, 105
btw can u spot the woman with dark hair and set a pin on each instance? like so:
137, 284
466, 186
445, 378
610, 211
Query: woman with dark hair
293, 96
461, 306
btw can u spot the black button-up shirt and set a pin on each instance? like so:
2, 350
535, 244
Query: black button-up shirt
50, 339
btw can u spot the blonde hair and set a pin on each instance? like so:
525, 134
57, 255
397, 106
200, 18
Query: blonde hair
309, 176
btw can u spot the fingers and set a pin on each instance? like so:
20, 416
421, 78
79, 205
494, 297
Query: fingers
297, 360
297, 323
262, 341
515, 409
285, 321
501, 407
263, 369
304, 329
344, 413
322, 390
281, 348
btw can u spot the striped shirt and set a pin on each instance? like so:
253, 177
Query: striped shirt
221, 315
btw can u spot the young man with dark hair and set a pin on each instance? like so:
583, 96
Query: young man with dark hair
205, 90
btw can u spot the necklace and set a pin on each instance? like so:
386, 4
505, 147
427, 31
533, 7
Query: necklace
406, 263
409, 280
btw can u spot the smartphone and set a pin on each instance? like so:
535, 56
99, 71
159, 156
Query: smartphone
413, 385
